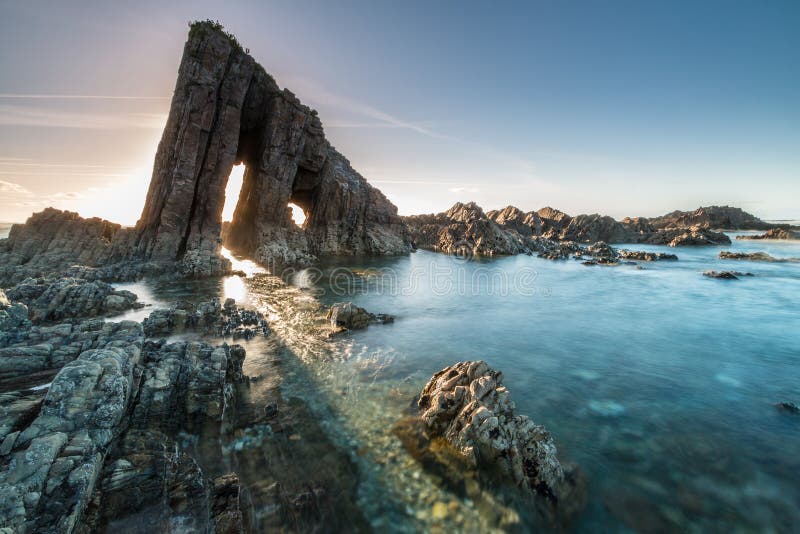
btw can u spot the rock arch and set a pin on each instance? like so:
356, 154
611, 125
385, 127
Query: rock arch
227, 110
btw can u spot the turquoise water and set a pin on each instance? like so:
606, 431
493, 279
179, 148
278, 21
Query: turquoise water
659, 382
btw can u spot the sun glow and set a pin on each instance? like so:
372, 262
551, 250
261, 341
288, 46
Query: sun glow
232, 192
298, 215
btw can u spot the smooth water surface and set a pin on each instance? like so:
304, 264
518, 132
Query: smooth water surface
659, 382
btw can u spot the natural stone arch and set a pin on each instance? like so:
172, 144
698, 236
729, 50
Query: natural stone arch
227, 110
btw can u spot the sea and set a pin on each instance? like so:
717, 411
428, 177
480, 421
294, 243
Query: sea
659, 383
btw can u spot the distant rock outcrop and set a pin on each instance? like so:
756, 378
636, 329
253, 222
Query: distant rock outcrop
774, 233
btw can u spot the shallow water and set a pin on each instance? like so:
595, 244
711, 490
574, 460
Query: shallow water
659, 382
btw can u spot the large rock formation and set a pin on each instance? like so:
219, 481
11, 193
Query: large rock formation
227, 110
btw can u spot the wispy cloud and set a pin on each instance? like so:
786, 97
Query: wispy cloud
13, 115
316, 95
31, 96
11, 188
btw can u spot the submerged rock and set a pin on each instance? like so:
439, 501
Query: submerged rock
788, 407
468, 405
753, 256
347, 316
208, 317
645, 256
726, 275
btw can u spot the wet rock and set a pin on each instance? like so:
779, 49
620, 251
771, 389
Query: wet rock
694, 236
55, 460
347, 316
37, 353
225, 505
209, 317
753, 256
52, 299
725, 275
468, 405
640, 255
788, 407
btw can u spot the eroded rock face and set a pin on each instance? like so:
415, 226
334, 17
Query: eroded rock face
226, 109
469, 406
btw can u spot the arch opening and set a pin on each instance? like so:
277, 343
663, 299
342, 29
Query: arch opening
298, 214
232, 191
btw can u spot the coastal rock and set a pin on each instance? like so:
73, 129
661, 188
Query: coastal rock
719, 217
594, 228
185, 389
55, 460
788, 407
13, 317
693, 236
52, 240
468, 405
753, 256
726, 275
464, 230
52, 299
34, 355
227, 110
208, 317
774, 233
645, 256
347, 316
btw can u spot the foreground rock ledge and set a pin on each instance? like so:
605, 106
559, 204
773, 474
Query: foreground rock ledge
468, 405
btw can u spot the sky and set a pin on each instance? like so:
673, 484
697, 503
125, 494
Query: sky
625, 108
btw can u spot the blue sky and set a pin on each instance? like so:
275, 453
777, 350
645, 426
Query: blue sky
617, 107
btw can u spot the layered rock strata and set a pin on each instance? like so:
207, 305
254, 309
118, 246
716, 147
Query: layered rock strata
225, 110
467, 405
97, 447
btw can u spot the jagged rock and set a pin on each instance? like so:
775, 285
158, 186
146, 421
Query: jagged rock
774, 233
594, 228
185, 387
13, 318
719, 217
553, 221
37, 353
209, 317
753, 256
641, 255
468, 405
225, 506
52, 299
55, 460
225, 110
347, 316
694, 236
464, 229
726, 275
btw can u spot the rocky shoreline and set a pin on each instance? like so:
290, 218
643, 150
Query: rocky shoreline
113, 425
